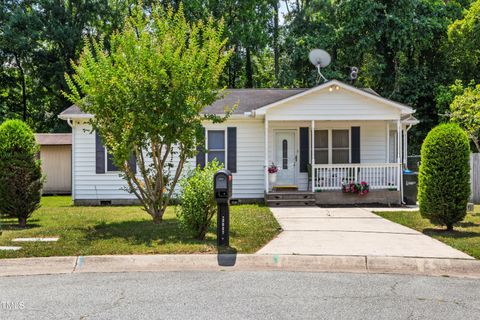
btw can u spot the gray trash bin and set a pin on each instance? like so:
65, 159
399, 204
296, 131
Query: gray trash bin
410, 187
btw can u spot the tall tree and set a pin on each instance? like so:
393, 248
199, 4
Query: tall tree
147, 93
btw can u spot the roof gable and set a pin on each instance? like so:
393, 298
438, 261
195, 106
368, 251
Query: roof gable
369, 94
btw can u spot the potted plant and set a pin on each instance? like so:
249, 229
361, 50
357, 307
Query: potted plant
351, 187
272, 173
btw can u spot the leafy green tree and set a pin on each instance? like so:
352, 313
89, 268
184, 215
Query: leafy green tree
464, 41
147, 93
197, 200
465, 110
444, 177
38, 38
20, 173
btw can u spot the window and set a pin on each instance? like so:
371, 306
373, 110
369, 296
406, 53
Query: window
285, 154
392, 147
321, 146
332, 146
216, 145
110, 165
340, 146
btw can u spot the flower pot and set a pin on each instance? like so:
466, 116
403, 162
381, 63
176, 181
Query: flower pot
272, 178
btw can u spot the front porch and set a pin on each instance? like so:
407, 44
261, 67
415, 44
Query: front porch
320, 156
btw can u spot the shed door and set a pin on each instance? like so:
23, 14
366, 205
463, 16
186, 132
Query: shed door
57, 168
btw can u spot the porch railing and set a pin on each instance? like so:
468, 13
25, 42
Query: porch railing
377, 175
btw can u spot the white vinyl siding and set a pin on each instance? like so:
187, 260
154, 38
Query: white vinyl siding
248, 182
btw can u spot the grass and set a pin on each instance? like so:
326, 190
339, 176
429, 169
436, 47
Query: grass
465, 236
128, 230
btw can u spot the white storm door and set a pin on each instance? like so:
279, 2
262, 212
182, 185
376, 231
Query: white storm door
285, 157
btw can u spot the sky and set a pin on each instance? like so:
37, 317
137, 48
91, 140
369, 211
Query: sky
282, 10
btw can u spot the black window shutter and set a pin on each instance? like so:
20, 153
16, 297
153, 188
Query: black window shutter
304, 146
99, 154
355, 132
232, 149
201, 151
133, 163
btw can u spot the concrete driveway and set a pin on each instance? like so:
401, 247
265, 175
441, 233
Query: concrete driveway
350, 231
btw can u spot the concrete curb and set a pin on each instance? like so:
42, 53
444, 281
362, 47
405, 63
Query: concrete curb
241, 262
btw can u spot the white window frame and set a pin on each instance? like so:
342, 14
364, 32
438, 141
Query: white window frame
217, 150
330, 143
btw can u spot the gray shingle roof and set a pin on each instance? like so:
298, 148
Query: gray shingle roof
247, 99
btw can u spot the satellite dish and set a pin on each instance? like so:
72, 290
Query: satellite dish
320, 59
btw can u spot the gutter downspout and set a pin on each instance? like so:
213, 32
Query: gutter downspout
70, 123
406, 157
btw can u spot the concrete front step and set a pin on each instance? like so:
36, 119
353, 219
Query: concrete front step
289, 202
290, 196
283, 199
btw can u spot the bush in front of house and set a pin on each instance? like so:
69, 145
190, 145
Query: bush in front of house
20, 172
197, 201
444, 177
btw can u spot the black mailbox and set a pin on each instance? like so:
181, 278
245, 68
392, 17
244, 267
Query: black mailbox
222, 187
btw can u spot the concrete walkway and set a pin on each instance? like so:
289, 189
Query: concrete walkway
351, 232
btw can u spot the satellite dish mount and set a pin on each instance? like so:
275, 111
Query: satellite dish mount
320, 59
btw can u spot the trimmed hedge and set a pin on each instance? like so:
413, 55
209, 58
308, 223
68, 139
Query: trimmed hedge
20, 172
444, 177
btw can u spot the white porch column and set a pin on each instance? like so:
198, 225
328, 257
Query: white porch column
388, 143
266, 155
312, 150
399, 154
405, 145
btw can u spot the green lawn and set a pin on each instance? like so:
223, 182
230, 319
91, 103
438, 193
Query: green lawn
128, 230
465, 237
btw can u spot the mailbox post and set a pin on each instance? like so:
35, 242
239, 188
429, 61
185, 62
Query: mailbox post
222, 185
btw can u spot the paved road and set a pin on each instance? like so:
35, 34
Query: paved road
351, 231
238, 295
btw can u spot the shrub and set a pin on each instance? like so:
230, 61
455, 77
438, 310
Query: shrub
197, 201
444, 178
20, 173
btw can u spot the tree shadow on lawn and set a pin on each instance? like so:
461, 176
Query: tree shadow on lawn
455, 234
11, 224
144, 232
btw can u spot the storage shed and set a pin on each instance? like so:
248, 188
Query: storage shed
56, 156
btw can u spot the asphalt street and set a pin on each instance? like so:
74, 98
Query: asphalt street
237, 295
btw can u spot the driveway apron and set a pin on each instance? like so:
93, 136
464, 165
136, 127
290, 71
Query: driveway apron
352, 232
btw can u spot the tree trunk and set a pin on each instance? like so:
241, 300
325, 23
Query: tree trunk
22, 222
24, 88
248, 69
157, 218
275, 41
449, 227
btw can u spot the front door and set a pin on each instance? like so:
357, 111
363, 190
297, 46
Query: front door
285, 157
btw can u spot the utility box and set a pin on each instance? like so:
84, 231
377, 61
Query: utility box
410, 187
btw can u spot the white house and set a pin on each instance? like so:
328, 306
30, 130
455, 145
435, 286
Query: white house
318, 137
